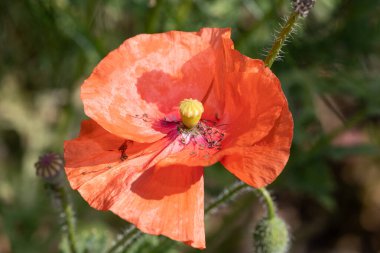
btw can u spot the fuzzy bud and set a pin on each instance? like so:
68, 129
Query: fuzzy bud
303, 7
271, 236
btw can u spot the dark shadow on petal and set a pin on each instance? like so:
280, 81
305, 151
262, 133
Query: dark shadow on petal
156, 183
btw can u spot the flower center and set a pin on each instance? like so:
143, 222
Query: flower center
191, 112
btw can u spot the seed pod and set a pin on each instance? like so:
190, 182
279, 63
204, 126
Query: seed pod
49, 167
302, 7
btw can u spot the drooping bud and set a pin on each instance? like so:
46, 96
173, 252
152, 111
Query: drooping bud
191, 111
271, 236
49, 167
302, 7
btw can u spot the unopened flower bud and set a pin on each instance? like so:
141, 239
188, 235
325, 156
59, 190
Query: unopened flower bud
271, 236
49, 167
302, 7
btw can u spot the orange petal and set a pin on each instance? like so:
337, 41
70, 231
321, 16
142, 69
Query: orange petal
167, 201
219, 38
92, 153
96, 153
254, 102
260, 164
220, 41
145, 79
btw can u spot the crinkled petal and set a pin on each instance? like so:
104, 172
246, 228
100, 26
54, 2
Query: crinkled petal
220, 41
167, 201
259, 164
96, 155
96, 151
254, 102
145, 79
92, 153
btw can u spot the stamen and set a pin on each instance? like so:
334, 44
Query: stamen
191, 112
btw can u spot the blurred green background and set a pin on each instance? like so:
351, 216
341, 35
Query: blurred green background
329, 193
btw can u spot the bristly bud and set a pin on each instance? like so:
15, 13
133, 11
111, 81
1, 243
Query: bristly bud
271, 236
303, 7
49, 167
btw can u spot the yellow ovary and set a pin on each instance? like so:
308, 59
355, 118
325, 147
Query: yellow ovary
191, 112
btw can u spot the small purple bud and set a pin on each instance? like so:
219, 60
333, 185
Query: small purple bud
49, 167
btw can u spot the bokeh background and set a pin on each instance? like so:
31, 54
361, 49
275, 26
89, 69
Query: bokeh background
329, 193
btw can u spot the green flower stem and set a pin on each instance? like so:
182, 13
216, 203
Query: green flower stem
128, 235
69, 217
235, 189
281, 38
271, 209
225, 196
128, 243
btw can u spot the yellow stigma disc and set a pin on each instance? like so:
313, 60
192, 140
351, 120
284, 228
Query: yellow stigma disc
191, 112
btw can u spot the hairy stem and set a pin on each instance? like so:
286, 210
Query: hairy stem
280, 39
131, 233
69, 217
225, 196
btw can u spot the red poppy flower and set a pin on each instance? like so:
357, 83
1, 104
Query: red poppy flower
164, 106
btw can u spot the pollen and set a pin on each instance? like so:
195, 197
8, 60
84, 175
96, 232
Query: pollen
191, 112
